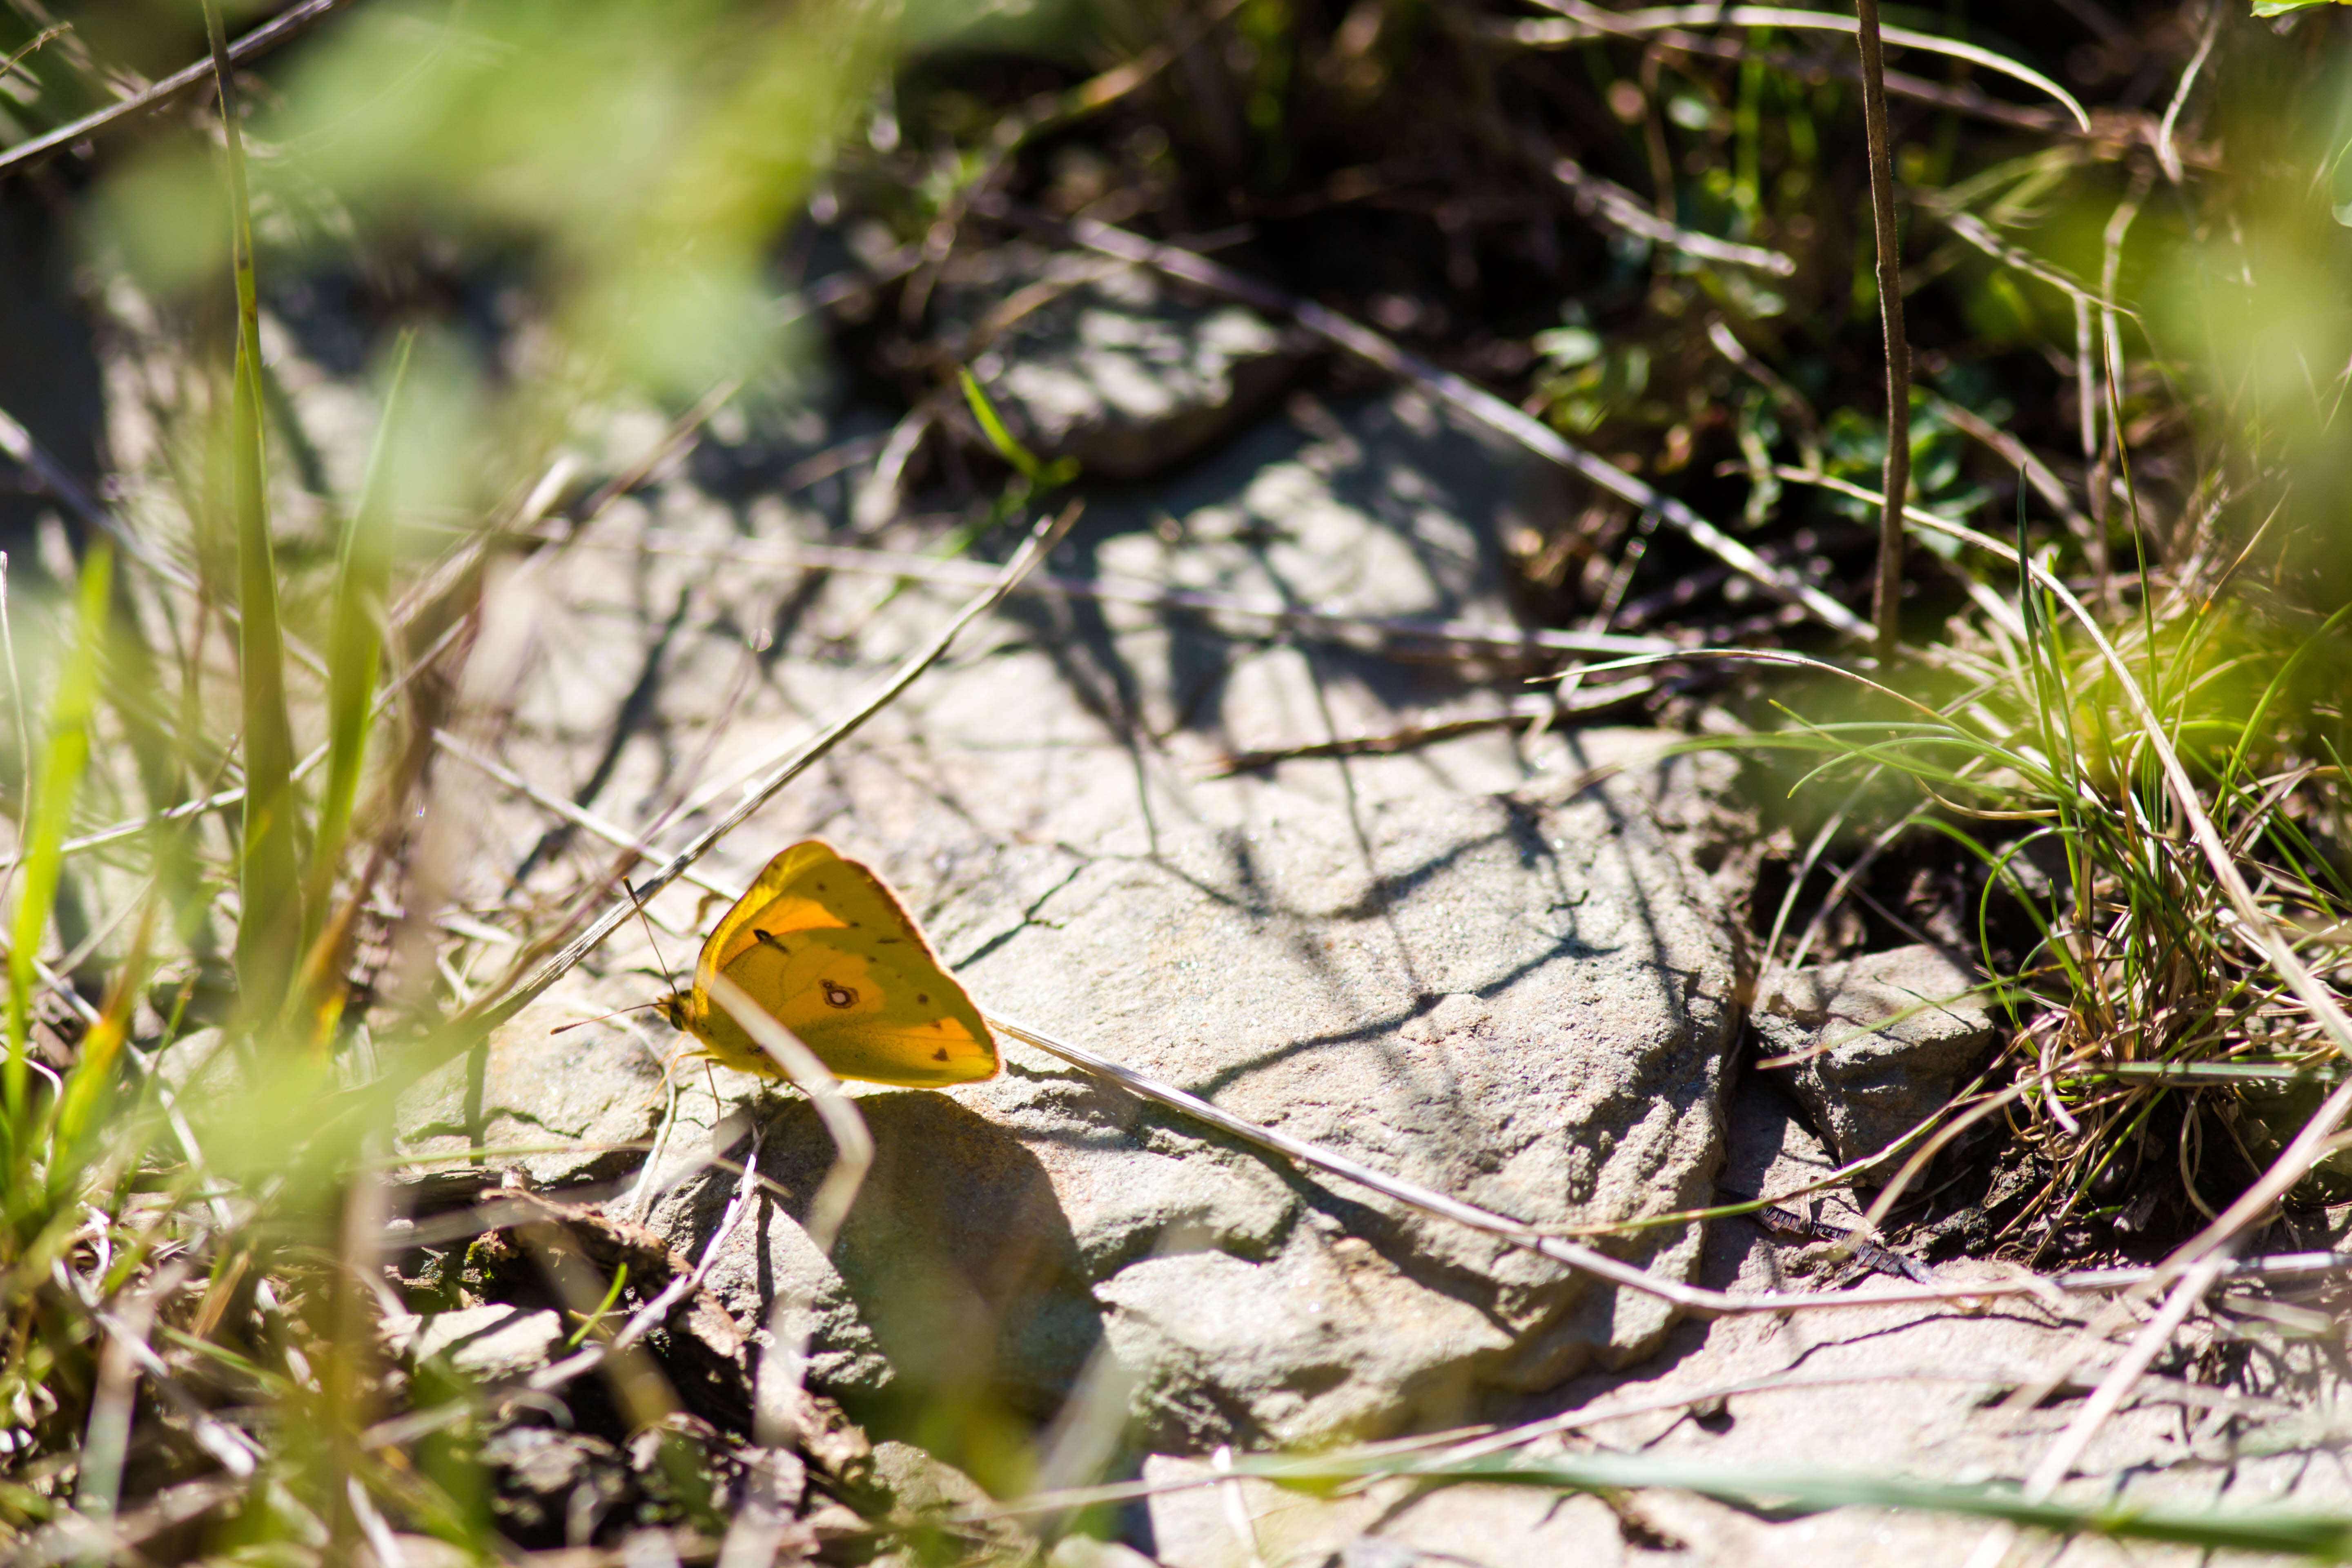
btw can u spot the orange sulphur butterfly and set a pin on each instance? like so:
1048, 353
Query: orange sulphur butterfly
824, 945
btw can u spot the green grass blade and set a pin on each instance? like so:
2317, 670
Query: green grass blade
2326, 1537
354, 654
63, 759
80, 1116
992, 424
270, 928
2278, 683
1042, 476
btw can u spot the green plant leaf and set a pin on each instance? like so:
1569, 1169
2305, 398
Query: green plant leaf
355, 650
63, 759
269, 925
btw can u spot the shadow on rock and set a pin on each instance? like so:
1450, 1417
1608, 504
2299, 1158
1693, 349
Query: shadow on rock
958, 1265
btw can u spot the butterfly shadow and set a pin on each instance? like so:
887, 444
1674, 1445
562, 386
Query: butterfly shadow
959, 1314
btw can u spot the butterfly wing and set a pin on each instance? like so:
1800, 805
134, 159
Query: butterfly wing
784, 900
878, 1008
822, 944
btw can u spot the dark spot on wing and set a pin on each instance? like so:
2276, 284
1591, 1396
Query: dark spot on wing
922, 999
939, 1056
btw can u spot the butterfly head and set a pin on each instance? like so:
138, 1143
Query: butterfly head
675, 1008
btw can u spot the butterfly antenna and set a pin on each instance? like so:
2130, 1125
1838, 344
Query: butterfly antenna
584, 1023
637, 904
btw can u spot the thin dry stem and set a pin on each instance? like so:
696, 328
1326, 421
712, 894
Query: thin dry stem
1690, 1298
268, 35
1886, 605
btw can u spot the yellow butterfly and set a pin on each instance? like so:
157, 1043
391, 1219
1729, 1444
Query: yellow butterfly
826, 947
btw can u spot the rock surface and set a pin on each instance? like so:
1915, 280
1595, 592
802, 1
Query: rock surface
587, 1102
1872, 1393
1474, 965
1105, 362
490, 1342
1886, 1040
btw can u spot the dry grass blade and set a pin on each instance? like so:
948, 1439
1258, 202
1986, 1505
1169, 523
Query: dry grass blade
1618, 206
2060, 1456
2015, 453
570, 811
1631, 24
1964, 98
852, 1143
2167, 153
782, 1360
1983, 235
2186, 1292
676, 442
1690, 1298
58, 481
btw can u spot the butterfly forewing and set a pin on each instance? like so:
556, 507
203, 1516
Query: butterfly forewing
771, 905
807, 887
822, 944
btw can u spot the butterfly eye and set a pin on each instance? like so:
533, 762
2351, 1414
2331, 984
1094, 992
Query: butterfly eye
838, 995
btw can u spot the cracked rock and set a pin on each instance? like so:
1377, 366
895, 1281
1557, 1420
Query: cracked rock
1892, 1037
1504, 970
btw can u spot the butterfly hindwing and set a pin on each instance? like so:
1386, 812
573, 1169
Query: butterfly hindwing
823, 946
